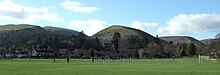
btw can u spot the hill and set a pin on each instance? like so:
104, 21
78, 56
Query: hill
105, 36
14, 27
207, 41
182, 39
61, 31
18, 35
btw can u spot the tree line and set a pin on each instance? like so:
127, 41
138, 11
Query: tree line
138, 47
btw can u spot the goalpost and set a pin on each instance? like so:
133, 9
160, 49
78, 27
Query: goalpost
205, 58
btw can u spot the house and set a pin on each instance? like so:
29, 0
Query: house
2, 56
21, 53
42, 53
82, 53
10, 55
79, 53
17, 54
107, 46
163, 54
215, 54
102, 54
63, 51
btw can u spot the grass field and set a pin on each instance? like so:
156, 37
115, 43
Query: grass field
109, 67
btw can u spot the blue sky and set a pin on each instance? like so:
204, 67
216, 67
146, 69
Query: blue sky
196, 18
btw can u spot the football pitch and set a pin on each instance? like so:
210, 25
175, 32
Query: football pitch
183, 66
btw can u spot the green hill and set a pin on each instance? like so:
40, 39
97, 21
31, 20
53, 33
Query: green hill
10, 27
17, 36
182, 39
207, 41
61, 31
125, 32
105, 36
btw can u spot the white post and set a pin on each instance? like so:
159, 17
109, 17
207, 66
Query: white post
199, 59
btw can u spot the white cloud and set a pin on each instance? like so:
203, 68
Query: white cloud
183, 24
191, 23
51, 7
89, 27
12, 11
77, 7
144, 26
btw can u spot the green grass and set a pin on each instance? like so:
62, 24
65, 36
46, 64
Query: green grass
109, 67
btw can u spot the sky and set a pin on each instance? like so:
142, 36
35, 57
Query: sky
197, 18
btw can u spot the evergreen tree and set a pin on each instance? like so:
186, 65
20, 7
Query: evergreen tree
183, 52
97, 44
136, 53
192, 50
115, 42
132, 42
92, 55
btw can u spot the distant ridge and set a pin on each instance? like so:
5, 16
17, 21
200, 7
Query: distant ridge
209, 41
182, 39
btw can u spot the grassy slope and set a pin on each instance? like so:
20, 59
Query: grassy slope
22, 31
105, 36
124, 67
109, 32
124, 31
61, 31
183, 39
209, 41
15, 27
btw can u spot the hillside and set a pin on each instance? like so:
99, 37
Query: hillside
182, 39
61, 31
10, 27
18, 35
105, 36
125, 32
208, 41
